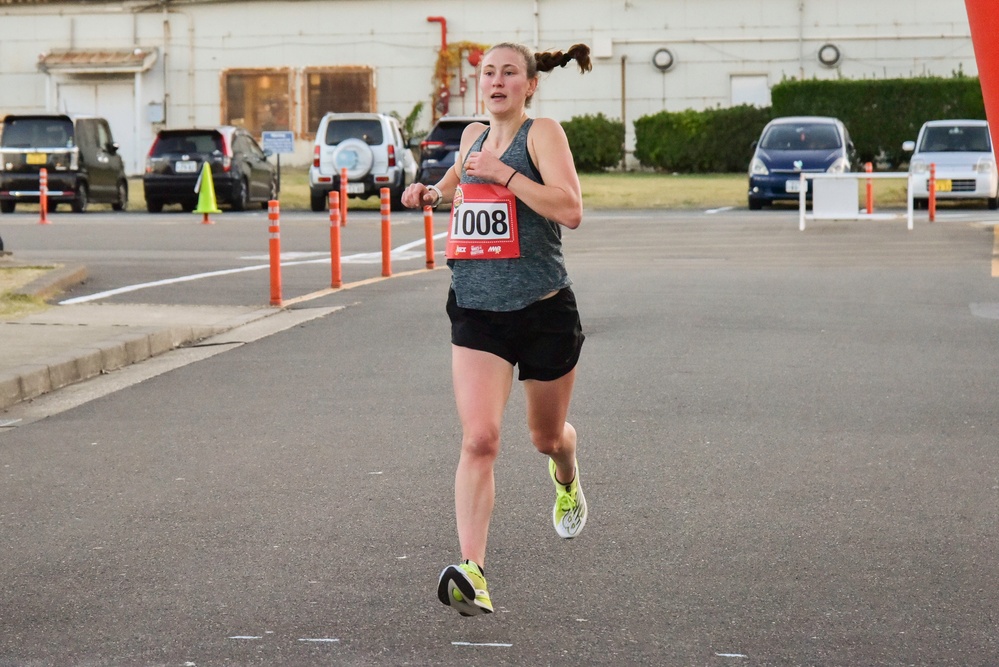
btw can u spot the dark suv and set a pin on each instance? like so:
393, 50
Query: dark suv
78, 153
438, 150
241, 173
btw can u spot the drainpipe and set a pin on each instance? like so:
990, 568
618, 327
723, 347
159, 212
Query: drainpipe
801, 40
444, 93
443, 22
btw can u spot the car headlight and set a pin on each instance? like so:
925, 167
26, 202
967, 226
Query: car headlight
986, 165
757, 168
839, 166
917, 166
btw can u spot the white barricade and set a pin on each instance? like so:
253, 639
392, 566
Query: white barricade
836, 196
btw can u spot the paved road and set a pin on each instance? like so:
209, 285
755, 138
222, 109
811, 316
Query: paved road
788, 444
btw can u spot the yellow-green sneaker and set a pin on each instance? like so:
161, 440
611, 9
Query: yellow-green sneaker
463, 587
569, 513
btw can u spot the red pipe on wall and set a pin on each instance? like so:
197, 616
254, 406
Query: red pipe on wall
443, 22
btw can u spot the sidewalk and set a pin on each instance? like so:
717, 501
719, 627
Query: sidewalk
45, 351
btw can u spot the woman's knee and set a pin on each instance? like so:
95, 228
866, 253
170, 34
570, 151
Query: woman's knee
481, 442
546, 442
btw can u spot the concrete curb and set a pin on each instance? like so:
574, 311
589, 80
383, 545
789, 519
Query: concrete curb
28, 381
54, 282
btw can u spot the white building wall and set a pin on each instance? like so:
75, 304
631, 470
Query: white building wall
711, 40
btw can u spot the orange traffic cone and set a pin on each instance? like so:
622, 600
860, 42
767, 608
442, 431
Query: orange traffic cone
206, 195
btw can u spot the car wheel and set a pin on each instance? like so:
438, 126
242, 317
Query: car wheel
920, 204
188, 206
318, 200
355, 156
121, 202
241, 197
154, 205
755, 204
7, 206
993, 203
79, 204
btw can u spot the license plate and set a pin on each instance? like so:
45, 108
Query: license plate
943, 185
185, 167
36, 158
794, 186
355, 188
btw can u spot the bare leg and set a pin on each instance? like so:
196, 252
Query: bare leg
482, 383
552, 435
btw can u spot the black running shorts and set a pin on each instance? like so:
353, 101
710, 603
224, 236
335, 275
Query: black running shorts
543, 340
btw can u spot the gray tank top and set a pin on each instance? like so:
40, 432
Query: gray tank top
512, 284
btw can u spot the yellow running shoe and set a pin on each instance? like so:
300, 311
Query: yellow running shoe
569, 513
463, 587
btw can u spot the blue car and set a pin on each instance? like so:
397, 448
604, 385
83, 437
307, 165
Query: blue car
792, 145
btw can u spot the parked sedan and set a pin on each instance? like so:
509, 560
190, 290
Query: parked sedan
965, 165
241, 173
791, 146
438, 150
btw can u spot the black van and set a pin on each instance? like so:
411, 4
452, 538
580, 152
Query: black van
78, 152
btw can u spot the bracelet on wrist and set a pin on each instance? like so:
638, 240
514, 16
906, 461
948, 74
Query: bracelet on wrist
440, 195
507, 184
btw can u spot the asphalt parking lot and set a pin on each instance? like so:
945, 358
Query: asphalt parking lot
787, 442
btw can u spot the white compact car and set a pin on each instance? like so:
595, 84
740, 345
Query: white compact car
370, 146
964, 163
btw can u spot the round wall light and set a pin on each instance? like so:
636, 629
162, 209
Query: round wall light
829, 55
663, 60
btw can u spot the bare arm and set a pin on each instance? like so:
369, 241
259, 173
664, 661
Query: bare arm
418, 195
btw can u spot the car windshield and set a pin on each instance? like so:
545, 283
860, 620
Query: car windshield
448, 133
801, 137
368, 131
956, 139
187, 142
37, 133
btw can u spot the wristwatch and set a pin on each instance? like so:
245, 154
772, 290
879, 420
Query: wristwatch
440, 195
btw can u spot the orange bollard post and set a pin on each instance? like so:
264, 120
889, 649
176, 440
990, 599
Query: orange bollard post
336, 277
343, 197
428, 232
386, 209
43, 196
868, 167
274, 230
931, 185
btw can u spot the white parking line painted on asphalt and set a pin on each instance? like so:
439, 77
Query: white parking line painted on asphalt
490, 644
712, 211
245, 637
320, 640
400, 253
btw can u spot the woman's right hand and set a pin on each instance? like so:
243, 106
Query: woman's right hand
418, 195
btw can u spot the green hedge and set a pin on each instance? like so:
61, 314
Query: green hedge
709, 141
597, 142
880, 114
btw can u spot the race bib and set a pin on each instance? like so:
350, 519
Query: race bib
483, 223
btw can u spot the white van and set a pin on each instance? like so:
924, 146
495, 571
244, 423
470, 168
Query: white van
964, 163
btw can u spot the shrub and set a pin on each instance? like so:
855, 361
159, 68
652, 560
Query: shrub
710, 141
597, 142
882, 113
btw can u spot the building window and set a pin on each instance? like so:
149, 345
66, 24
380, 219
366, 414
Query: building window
337, 89
257, 100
